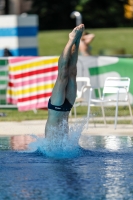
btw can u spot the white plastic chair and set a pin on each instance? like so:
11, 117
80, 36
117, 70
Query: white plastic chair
84, 85
115, 86
80, 100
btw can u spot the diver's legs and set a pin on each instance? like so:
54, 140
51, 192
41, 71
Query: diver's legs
71, 88
67, 59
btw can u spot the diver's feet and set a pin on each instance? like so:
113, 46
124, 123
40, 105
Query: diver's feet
76, 33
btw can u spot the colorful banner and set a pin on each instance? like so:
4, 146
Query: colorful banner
31, 80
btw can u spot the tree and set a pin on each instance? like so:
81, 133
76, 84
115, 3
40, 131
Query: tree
54, 14
103, 13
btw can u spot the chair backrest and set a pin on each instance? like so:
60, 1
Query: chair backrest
84, 81
113, 85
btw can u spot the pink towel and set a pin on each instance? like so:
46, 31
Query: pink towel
31, 80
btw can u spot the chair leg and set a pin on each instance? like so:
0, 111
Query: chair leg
103, 113
35, 111
130, 110
93, 121
102, 108
116, 110
88, 111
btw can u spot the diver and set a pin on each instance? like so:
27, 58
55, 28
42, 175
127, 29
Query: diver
65, 89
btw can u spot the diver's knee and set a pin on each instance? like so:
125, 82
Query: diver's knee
73, 72
63, 74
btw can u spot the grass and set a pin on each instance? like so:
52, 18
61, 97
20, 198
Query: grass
15, 115
51, 43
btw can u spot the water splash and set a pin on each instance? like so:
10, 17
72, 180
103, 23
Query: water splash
60, 144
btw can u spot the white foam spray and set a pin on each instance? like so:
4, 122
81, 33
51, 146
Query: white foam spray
60, 144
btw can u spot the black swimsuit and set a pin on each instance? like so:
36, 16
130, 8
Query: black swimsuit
66, 106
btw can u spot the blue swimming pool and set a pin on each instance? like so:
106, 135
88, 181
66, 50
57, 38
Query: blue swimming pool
101, 169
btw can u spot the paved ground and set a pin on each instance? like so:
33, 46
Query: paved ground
37, 128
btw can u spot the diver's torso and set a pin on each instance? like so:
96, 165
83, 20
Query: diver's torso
57, 120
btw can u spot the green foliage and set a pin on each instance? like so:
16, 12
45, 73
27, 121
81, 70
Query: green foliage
55, 15
103, 13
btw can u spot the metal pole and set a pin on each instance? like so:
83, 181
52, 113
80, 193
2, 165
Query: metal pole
116, 111
78, 16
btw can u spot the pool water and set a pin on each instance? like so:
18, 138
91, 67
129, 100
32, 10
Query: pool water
100, 168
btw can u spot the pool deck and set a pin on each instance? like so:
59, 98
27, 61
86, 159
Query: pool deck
37, 128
